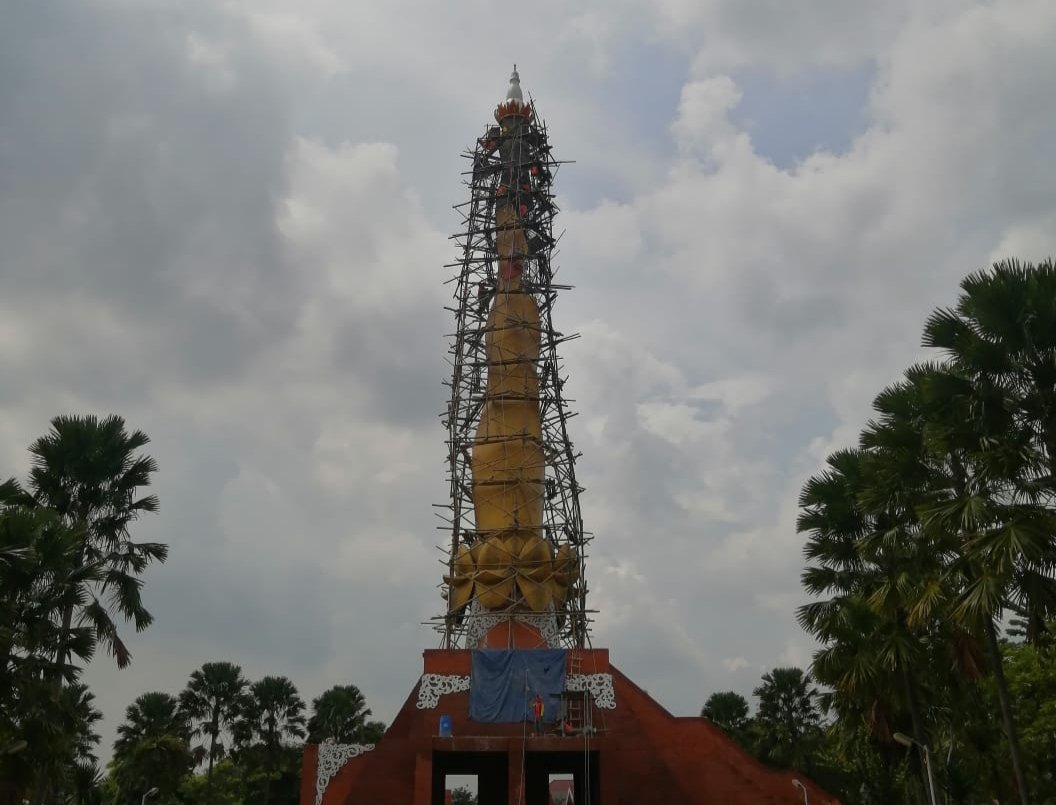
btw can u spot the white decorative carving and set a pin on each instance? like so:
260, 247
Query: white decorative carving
332, 757
433, 686
480, 622
599, 686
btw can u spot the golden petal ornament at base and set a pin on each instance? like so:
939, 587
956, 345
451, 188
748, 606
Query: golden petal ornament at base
495, 596
537, 596
462, 580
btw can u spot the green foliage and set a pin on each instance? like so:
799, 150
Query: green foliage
46, 716
272, 713
41, 577
786, 722
372, 732
152, 749
225, 786
851, 761
924, 538
57, 726
88, 472
253, 733
160, 762
152, 715
463, 796
1031, 672
340, 714
86, 784
728, 710
67, 566
213, 702
271, 776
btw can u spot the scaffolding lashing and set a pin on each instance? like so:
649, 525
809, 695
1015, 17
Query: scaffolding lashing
517, 543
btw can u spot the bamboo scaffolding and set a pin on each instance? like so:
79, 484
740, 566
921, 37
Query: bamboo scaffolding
474, 281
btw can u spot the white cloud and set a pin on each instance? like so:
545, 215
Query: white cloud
1031, 240
703, 125
729, 33
734, 664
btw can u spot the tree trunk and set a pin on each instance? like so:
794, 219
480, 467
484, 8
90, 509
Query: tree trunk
212, 754
270, 760
63, 654
919, 733
1006, 711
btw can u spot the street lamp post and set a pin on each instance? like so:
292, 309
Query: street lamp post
151, 793
803, 788
908, 742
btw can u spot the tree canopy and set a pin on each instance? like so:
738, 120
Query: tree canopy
932, 530
728, 710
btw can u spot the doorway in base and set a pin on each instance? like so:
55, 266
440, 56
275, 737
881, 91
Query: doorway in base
462, 788
490, 768
583, 767
562, 789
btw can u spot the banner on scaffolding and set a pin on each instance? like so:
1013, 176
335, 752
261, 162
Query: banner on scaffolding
504, 684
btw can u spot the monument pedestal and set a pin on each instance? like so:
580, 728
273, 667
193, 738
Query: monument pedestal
639, 755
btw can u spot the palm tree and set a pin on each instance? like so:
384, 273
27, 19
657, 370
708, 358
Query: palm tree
909, 582
984, 504
82, 715
63, 728
88, 471
151, 716
213, 699
273, 711
931, 492
788, 717
372, 732
39, 580
728, 710
1001, 339
43, 730
86, 784
1002, 332
276, 710
340, 714
153, 746
871, 570
948, 521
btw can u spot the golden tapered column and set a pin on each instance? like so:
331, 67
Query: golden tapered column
511, 565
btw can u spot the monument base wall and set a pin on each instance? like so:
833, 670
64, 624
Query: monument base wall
640, 754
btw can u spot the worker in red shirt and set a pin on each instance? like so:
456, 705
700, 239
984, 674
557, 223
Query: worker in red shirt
537, 710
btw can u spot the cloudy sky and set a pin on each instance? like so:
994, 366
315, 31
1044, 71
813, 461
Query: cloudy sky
227, 221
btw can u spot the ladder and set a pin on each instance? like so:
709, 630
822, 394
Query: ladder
577, 704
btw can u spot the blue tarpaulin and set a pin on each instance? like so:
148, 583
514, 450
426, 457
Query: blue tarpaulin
504, 684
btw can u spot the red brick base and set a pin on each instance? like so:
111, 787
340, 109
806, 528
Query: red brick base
641, 754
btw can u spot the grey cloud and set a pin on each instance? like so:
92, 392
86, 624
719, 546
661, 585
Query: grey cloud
238, 609
227, 223
135, 186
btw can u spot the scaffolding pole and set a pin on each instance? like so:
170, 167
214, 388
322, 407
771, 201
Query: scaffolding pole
520, 174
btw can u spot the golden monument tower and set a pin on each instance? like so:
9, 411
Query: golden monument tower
517, 538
